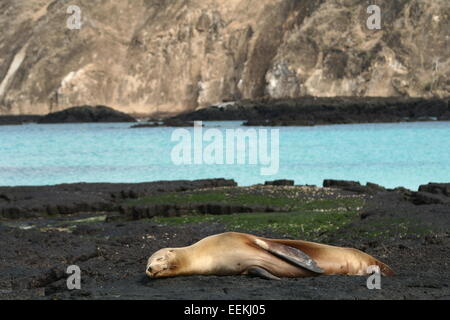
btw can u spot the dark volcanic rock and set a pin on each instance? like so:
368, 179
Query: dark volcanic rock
18, 120
280, 183
177, 123
436, 188
25, 202
112, 255
146, 125
165, 123
310, 111
422, 198
174, 210
87, 114
329, 183
375, 187
279, 123
369, 188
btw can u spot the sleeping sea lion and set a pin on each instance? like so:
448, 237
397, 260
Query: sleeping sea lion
234, 253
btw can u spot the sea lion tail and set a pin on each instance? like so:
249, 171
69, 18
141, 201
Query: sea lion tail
338, 260
369, 261
385, 269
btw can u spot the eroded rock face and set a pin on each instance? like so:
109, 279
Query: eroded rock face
160, 56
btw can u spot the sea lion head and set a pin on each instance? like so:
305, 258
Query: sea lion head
163, 263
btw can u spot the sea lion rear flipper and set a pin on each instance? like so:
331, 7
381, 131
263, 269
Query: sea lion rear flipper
289, 254
262, 273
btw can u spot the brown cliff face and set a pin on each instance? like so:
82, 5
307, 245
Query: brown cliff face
158, 56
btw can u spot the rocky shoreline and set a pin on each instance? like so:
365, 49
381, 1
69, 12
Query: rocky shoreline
109, 230
307, 111
164, 123
67, 199
33, 202
310, 111
18, 120
81, 114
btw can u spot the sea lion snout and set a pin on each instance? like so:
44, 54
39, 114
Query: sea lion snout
160, 263
153, 268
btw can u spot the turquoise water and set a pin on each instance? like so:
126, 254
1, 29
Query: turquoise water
405, 154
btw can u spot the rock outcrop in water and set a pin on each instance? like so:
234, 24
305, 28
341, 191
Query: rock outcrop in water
166, 123
18, 120
86, 114
319, 111
156, 57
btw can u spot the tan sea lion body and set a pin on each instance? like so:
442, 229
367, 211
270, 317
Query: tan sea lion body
238, 253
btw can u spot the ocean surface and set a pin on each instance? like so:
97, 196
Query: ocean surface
397, 154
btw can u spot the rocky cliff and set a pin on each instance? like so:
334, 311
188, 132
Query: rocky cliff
157, 56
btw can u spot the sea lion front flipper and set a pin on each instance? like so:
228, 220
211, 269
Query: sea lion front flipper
289, 254
262, 273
